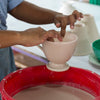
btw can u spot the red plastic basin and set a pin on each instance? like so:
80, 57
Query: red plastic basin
40, 75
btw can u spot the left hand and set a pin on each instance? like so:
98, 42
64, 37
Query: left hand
62, 21
36, 36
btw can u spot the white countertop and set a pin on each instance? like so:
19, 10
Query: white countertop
77, 61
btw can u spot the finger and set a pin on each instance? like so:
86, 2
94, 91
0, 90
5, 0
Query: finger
50, 39
56, 35
81, 15
51, 33
63, 27
77, 15
72, 21
62, 32
60, 37
57, 23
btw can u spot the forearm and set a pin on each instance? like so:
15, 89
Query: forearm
33, 14
8, 38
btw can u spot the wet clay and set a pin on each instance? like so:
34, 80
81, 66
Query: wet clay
53, 93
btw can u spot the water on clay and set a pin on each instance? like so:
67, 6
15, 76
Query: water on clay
48, 92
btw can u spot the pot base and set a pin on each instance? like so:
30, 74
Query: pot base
57, 67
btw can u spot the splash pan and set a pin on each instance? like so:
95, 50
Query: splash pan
40, 75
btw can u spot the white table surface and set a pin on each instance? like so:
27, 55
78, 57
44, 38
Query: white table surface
76, 61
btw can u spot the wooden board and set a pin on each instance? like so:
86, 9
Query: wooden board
23, 61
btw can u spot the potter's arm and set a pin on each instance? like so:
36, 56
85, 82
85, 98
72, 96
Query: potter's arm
33, 14
36, 15
8, 38
29, 37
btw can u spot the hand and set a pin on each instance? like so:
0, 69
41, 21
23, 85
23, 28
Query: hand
61, 20
36, 36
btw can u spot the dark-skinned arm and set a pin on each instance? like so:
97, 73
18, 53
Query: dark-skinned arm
29, 37
8, 38
37, 15
33, 14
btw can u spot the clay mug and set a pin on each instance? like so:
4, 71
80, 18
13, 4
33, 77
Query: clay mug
59, 52
96, 48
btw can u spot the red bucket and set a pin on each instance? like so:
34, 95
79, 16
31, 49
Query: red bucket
40, 75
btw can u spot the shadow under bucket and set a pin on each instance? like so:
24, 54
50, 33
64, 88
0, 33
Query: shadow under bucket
40, 75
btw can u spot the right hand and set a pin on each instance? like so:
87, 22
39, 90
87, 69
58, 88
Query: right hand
36, 36
62, 21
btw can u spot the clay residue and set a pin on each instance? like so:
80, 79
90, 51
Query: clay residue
53, 93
